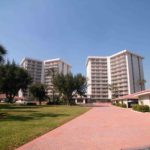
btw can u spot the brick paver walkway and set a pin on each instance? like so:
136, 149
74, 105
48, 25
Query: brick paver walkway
101, 128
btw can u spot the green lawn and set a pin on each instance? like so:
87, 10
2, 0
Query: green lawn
20, 124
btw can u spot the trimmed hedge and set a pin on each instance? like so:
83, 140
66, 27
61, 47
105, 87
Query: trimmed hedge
141, 108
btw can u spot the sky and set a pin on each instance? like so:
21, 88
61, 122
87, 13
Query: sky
74, 29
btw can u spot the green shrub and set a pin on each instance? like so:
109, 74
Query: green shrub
121, 105
56, 101
117, 104
124, 106
141, 108
31, 104
135, 107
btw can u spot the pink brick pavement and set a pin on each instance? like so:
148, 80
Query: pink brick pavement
101, 128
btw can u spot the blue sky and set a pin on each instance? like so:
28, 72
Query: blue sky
75, 29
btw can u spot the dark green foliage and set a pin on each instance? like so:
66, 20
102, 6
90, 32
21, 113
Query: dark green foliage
56, 101
38, 91
31, 104
124, 106
141, 108
3, 52
64, 84
120, 105
69, 85
80, 84
135, 107
12, 79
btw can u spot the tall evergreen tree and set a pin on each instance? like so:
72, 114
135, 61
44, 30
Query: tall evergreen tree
12, 79
69, 85
3, 52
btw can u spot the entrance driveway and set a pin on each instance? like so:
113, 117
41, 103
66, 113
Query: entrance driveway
104, 127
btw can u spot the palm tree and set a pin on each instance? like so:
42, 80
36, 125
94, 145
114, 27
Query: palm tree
12, 79
114, 90
52, 73
142, 83
3, 52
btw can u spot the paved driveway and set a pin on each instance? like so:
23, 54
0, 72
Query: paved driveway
102, 128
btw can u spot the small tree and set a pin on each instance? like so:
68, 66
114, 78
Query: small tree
38, 91
80, 83
12, 79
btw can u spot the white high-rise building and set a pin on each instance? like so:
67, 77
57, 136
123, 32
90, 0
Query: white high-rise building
41, 71
50, 68
121, 73
33, 67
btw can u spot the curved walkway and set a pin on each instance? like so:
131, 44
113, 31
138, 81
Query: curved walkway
102, 128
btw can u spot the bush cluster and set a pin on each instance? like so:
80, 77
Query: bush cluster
56, 101
31, 104
120, 105
141, 108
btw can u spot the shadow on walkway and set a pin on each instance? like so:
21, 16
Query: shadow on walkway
95, 105
138, 148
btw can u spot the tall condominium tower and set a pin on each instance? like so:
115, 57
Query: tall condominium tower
121, 72
33, 67
97, 77
41, 71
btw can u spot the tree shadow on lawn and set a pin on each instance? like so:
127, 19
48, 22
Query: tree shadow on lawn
20, 111
13, 106
2, 115
34, 116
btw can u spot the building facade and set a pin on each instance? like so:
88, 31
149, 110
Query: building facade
97, 77
114, 76
52, 67
33, 67
43, 71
